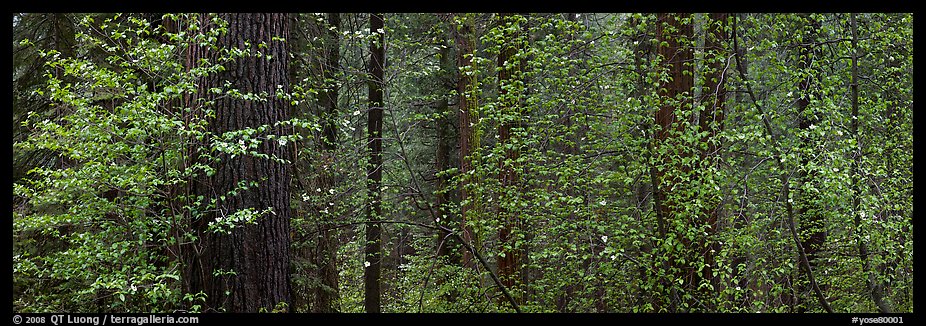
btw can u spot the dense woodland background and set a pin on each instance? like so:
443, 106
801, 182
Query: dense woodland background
412, 162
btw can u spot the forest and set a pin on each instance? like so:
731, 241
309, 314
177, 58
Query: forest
462, 162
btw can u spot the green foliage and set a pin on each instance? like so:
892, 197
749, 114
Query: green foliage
104, 145
104, 227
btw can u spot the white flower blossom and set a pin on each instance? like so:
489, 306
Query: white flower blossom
604, 238
366, 264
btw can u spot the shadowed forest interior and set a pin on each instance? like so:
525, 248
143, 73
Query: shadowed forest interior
463, 162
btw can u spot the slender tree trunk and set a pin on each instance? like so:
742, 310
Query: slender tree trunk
641, 55
373, 250
783, 177
570, 110
508, 75
63, 41
711, 121
739, 223
248, 269
62, 34
809, 211
871, 282
194, 270
325, 258
443, 127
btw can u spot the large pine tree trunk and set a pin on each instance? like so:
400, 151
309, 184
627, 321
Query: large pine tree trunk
373, 250
248, 269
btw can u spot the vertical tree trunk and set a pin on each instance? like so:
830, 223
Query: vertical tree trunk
711, 121
871, 282
508, 75
642, 54
373, 250
678, 57
62, 34
747, 258
325, 258
672, 33
570, 113
195, 271
443, 127
466, 46
63, 41
247, 270
783, 177
809, 211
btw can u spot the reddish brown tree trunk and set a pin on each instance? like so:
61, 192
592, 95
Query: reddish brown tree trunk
508, 75
679, 59
711, 120
673, 32
466, 46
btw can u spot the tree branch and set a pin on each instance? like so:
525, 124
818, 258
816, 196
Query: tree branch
786, 189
